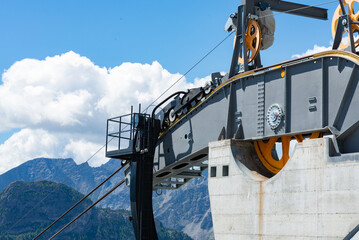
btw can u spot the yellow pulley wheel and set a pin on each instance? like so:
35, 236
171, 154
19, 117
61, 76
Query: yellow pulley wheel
253, 41
265, 150
353, 16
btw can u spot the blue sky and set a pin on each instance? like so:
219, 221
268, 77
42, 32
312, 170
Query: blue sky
103, 35
175, 33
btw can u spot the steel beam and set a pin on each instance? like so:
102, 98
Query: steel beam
297, 9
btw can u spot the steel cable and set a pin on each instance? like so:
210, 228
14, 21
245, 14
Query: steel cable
42, 200
206, 55
26, 214
87, 209
75, 205
188, 71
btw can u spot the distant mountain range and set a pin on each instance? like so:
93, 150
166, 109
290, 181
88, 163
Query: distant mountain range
186, 209
52, 200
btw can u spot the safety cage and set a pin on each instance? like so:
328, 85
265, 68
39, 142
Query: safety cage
127, 135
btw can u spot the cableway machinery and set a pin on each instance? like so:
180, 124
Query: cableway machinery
303, 98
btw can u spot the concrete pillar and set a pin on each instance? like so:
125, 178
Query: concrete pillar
315, 196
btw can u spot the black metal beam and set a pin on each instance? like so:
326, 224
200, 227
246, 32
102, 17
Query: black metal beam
248, 7
238, 45
297, 9
141, 182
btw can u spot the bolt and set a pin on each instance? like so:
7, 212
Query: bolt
344, 22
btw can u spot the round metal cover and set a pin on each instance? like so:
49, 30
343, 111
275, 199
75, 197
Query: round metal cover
274, 116
172, 115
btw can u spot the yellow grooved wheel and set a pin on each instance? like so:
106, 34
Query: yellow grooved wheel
353, 16
264, 151
253, 41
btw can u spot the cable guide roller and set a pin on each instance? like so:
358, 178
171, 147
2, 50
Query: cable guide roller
300, 99
345, 21
246, 55
225, 109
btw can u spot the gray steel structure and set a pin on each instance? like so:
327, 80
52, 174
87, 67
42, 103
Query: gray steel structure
236, 109
312, 94
318, 93
248, 10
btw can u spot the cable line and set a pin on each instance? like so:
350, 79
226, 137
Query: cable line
93, 190
197, 63
99, 200
301, 8
188, 71
292, 10
67, 178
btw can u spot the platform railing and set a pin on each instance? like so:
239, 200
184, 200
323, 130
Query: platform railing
121, 134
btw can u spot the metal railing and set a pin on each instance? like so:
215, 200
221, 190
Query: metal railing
121, 134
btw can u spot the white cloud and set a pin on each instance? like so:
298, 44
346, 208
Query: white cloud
82, 150
61, 104
316, 49
25, 145
133, 83
57, 91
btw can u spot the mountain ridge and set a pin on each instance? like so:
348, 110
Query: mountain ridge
20, 197
186, 209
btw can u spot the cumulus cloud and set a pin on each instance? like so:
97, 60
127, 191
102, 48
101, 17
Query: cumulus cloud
61, 104
315, 49
57, 91
27, 144
83, 150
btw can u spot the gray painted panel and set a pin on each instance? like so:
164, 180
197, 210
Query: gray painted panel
338, 80
300, 94
349, 111
248, 107
306, 96
274, 85
199, 130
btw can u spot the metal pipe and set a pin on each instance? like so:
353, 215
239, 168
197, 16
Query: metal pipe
172, 95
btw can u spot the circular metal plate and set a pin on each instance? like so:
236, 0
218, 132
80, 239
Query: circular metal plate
274, 116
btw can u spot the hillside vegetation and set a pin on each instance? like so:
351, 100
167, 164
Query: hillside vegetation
50, 200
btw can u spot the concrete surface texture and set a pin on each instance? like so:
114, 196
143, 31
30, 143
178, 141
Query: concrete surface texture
314, 196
